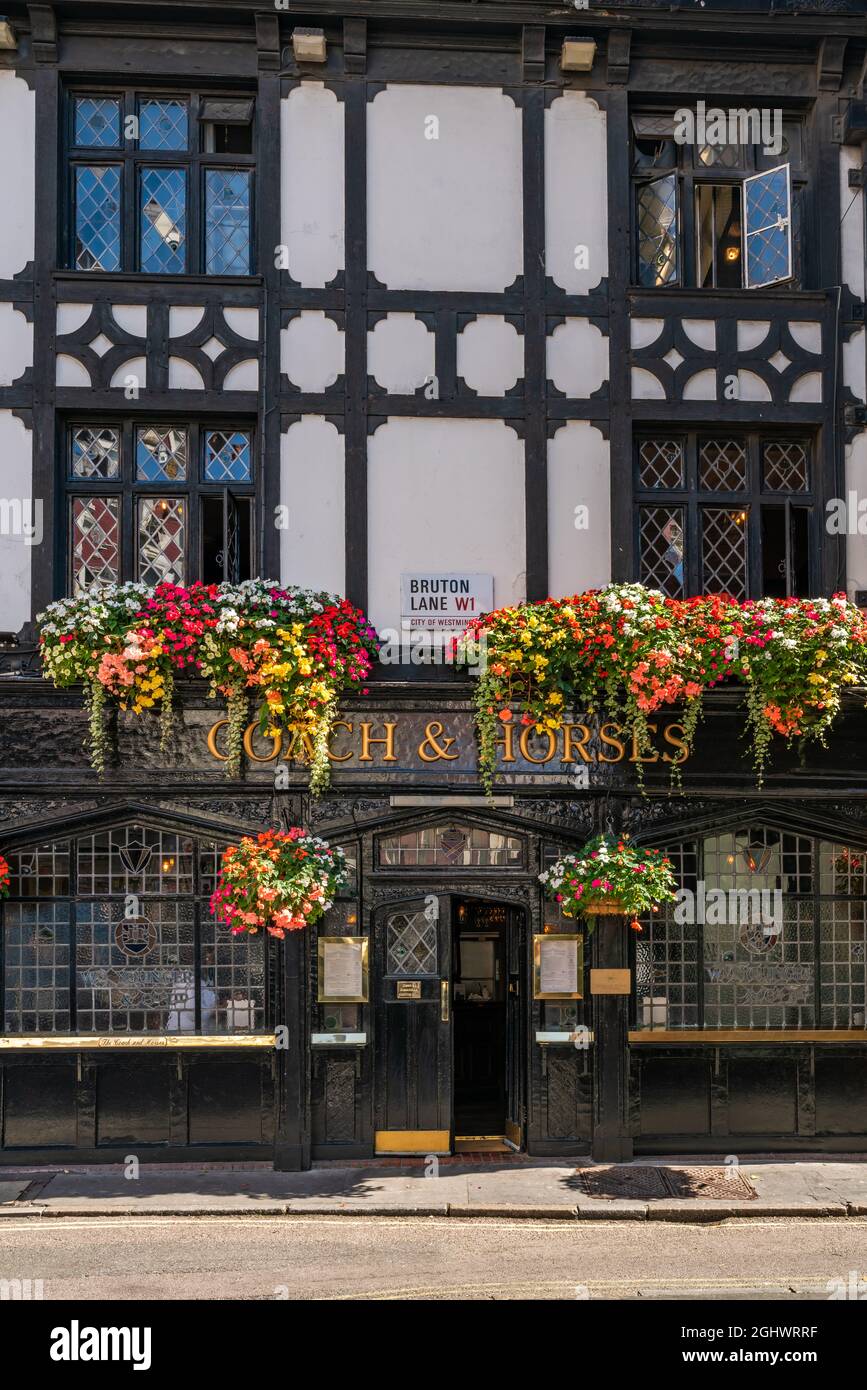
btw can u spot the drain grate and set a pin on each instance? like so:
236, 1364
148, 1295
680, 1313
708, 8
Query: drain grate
641, 1183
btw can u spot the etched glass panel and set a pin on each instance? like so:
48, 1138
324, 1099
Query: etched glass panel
467, 846
724, 551
95, 541
768, 217
227, 456
759, 968
667, 956
95, 452
843, 964
722, 465
657, 215
134, 859
39, 873
720, 156
163, 224
661, 463
163, 124
96, 123
136, 975
161, 540
161, 454
227, 221
786, 466
411, 944
233, 979
842, 870
37, 967
97, 217
661, 549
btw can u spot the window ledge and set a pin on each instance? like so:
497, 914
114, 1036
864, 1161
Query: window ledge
143, 1041
140, 277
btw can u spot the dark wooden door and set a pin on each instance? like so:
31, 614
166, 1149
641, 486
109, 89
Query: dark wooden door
413, 1026
517, 1025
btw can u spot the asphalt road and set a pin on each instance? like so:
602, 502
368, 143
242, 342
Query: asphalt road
365, 1258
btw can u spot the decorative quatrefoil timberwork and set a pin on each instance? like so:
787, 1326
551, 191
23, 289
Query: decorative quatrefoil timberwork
693, 359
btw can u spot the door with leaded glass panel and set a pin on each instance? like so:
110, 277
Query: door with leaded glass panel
413, 1026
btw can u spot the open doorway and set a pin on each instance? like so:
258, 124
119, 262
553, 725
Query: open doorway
482, 1019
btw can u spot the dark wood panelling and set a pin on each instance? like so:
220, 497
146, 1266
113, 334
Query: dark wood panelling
133, 1102
763, 1095
675, 1095
39, 1105
225, 1103
841, 1094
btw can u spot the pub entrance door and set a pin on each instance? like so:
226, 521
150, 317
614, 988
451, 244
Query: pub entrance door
449, 1068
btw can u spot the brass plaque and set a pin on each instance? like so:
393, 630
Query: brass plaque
408, 989
610, 981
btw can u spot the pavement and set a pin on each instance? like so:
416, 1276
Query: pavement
475, 1186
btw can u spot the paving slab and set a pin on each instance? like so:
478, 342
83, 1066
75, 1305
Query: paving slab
11, 1191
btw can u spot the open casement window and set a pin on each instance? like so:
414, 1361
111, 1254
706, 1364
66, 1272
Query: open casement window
702, 218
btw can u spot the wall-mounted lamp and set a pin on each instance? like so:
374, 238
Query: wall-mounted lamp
577, 55
7, 35
309, 45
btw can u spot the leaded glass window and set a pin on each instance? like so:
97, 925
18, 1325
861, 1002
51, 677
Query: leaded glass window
771, 933
118, 922
453, 844
411, 943
726, 513
160, 184
159, 501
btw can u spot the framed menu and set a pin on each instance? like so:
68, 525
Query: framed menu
343, 970
558, 966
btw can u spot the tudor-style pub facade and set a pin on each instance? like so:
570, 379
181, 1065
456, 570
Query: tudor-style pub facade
472, 297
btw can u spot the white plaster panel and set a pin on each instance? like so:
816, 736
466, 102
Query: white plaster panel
852, 225
243, 321
490, 355
136, 367
132, 318
643, 332
312, 198
183, 318
448, 496
312, 544
183, 376
752, 388
444, 213
855, 365
401, 354
806, 334
579, 476
68, 371
244, 376
312, 351
17, 174
577, 358
71, 317
702, 332
856, 483
807, 390
751, 333
16, 451
16, 344
576, 193
646, 386
701, 386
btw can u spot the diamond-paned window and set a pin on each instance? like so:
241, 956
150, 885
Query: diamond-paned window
95, 452
724, 551
94, 542
661, 549
227, 456
661, 463
163, 226
163, 125
722, 465
96, 123
227, 221
161, 454
768, 219
658, 232
720, 156
786, 466
97, 217
162, 540
411, 944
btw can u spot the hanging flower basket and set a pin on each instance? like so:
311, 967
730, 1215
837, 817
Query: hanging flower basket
624, 652
283, 880
609, 878
291, 651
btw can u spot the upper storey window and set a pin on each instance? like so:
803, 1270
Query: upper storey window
716, 202
159, 183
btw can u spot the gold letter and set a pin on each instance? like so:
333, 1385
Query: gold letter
525, 752
571, 745
635, 758
212, 741
366, 741
676, 743
276, 740
507, 742
340, 758
435, 730
612, 743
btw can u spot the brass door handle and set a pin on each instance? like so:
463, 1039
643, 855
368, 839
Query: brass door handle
444, 1001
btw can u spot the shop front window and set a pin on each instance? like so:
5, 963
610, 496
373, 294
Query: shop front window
111, 934
769, 932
